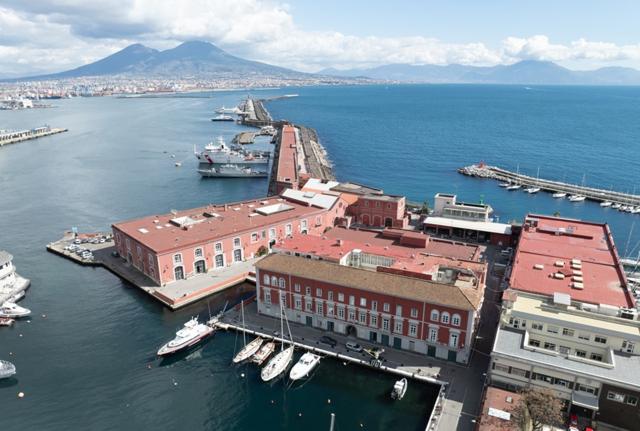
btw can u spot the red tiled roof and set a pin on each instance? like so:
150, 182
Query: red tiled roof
287, 158
557, 239
502, 400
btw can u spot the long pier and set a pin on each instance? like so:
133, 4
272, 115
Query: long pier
12, 137
551, 186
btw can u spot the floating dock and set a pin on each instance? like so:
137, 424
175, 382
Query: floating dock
599, 195
11, 137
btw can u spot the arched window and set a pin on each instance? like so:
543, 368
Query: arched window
444, 318
455, 320
274, 280
265, 280
435, 316
281, 283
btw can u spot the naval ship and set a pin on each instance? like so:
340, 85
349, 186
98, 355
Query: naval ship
221, 154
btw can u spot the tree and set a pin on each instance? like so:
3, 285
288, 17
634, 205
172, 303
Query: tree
556, 214
425, 208
262, 250
537, 407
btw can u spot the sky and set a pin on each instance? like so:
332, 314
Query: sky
41, 36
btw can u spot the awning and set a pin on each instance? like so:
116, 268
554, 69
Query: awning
584, 399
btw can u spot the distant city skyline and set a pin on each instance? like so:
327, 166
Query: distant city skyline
50, 35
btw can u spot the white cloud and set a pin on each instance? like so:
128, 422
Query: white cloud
52, 35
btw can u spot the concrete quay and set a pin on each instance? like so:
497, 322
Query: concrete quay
591, 193
174, 295
13, 137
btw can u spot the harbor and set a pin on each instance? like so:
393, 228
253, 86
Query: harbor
14, 136
610, 197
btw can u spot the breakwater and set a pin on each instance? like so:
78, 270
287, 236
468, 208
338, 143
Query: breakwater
600, 195
15, 136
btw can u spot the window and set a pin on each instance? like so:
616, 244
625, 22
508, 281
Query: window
303, 225
272, 233
218, 247
588, 389
444, 318
615, 396
377, 204
288, 229
455, 320
433, 334
435, 316
585, 337
298, 303
150, 258
177, 258
264, 234
534, 343
599, 339
363, 302
236, 242
341, 297
198, 252
385, 324
537, 326
453, 339
596, 357
128, 244
398, 310
362, 316
352, 315
501, 368
386, 307
319, 292
308, 305
318, 220
265, 280
374, 305
319, 308
631, 400
281, 283
398, 326
414, 313
330, 295
581, 354
296, 287
373, 320
519, 372
219, 260
307, 290
628, 346
254, 237
564, 350
352, 300
553, 329
549, 346
267, 296
274, 281
283, 299
329, 310
413, 330
567, 332
341, 313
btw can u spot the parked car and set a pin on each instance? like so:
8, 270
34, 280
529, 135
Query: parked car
77, 241
353, 346
325, 339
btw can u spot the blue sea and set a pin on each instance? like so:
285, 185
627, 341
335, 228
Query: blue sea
86, 364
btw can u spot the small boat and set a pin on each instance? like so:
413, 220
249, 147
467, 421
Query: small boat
399, 389
304, 366
616, 206
559, 195
16, 297
623, 208
265, 351
178, 164
248, 351
277, 365
532, 190
7, 369
504, 184
6, 321
576, 198
514, 187
10, 309
606, 204
192, 333
222, 117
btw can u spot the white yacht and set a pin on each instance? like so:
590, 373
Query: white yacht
532, 190
576, 198
11, 284
514, 187
606, 204
7, 369
9, 309
504, 185
304, 366
399, 389
192, 333
616, 206
265, 351
559, 195
222, 117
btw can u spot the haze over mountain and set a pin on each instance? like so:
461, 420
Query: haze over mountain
523, 72
190, 59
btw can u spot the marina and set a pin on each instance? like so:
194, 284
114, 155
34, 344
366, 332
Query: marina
12, 137
577, 193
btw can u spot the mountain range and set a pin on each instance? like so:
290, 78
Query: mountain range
523, 72
202, 60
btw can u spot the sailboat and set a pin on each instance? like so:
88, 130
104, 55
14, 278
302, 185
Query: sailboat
578, 197
249, 349
534, 189
280, 362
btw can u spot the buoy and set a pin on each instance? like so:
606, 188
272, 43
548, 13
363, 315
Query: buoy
329, 401
148, 366
241, 374
361, 424
44, 316
272, 402
20, 394
10, 353
344, 363
175, 383
20, 335
299, 415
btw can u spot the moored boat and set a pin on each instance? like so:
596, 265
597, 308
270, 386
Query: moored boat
532, 190
504, 184
233, 171
304, 366
559, 195
7, 369
606, 204
222, 117
10, 309
192, 333
576, 198
265, 351
514, 187
6, 321
277, 365
399, 389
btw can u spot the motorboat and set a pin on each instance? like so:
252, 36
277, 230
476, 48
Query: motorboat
304, 366
16, 297
6, 321
11, 309
277, 365
576, 198
514, 187
399, 389
606, 204
191, 333
265, 351
7, 369
504, 184
222, 117
616, 206
532, 190
559, 195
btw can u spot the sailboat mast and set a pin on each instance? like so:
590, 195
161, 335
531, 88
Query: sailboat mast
281, 324
244, 329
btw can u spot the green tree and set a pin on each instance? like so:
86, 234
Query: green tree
425, 208
537, 407
556, 214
